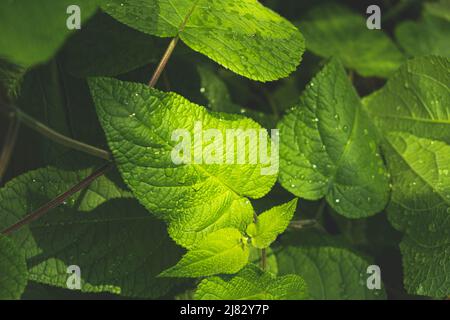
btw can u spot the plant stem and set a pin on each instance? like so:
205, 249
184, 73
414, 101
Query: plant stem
263, 259
300, 224
262, 251
170, 48
59, 138
9, 143
163, 62
58, 200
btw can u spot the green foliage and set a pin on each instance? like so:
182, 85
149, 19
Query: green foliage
420, 207
361, 182
428, 36
414, 100
10, 77
194, 198
330, 270
113, 48
109, 246
439, 8
328, 148
252, 283
221, 251
412, 113
243, 36
335, 31
13, 270
32, 31
270, 224
216, 92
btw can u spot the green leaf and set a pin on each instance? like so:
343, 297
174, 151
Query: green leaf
333, 30
243, 36
428, 36
439, 9
328, 148
194, 198
415, 99
119, 247
330, 271
113, 48
425, 268
13, 270
251, 283
271, 223
216, 92
32, 31
221, 251
10, 78
411, 112
63, 103
271, 259
420, 207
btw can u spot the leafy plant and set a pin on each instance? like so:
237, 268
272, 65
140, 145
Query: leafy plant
96, 175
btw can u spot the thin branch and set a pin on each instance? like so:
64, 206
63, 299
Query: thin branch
300, 224
263, 259
163, 62
262, 251
59, 138
58, 200
173, 43
9, 143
